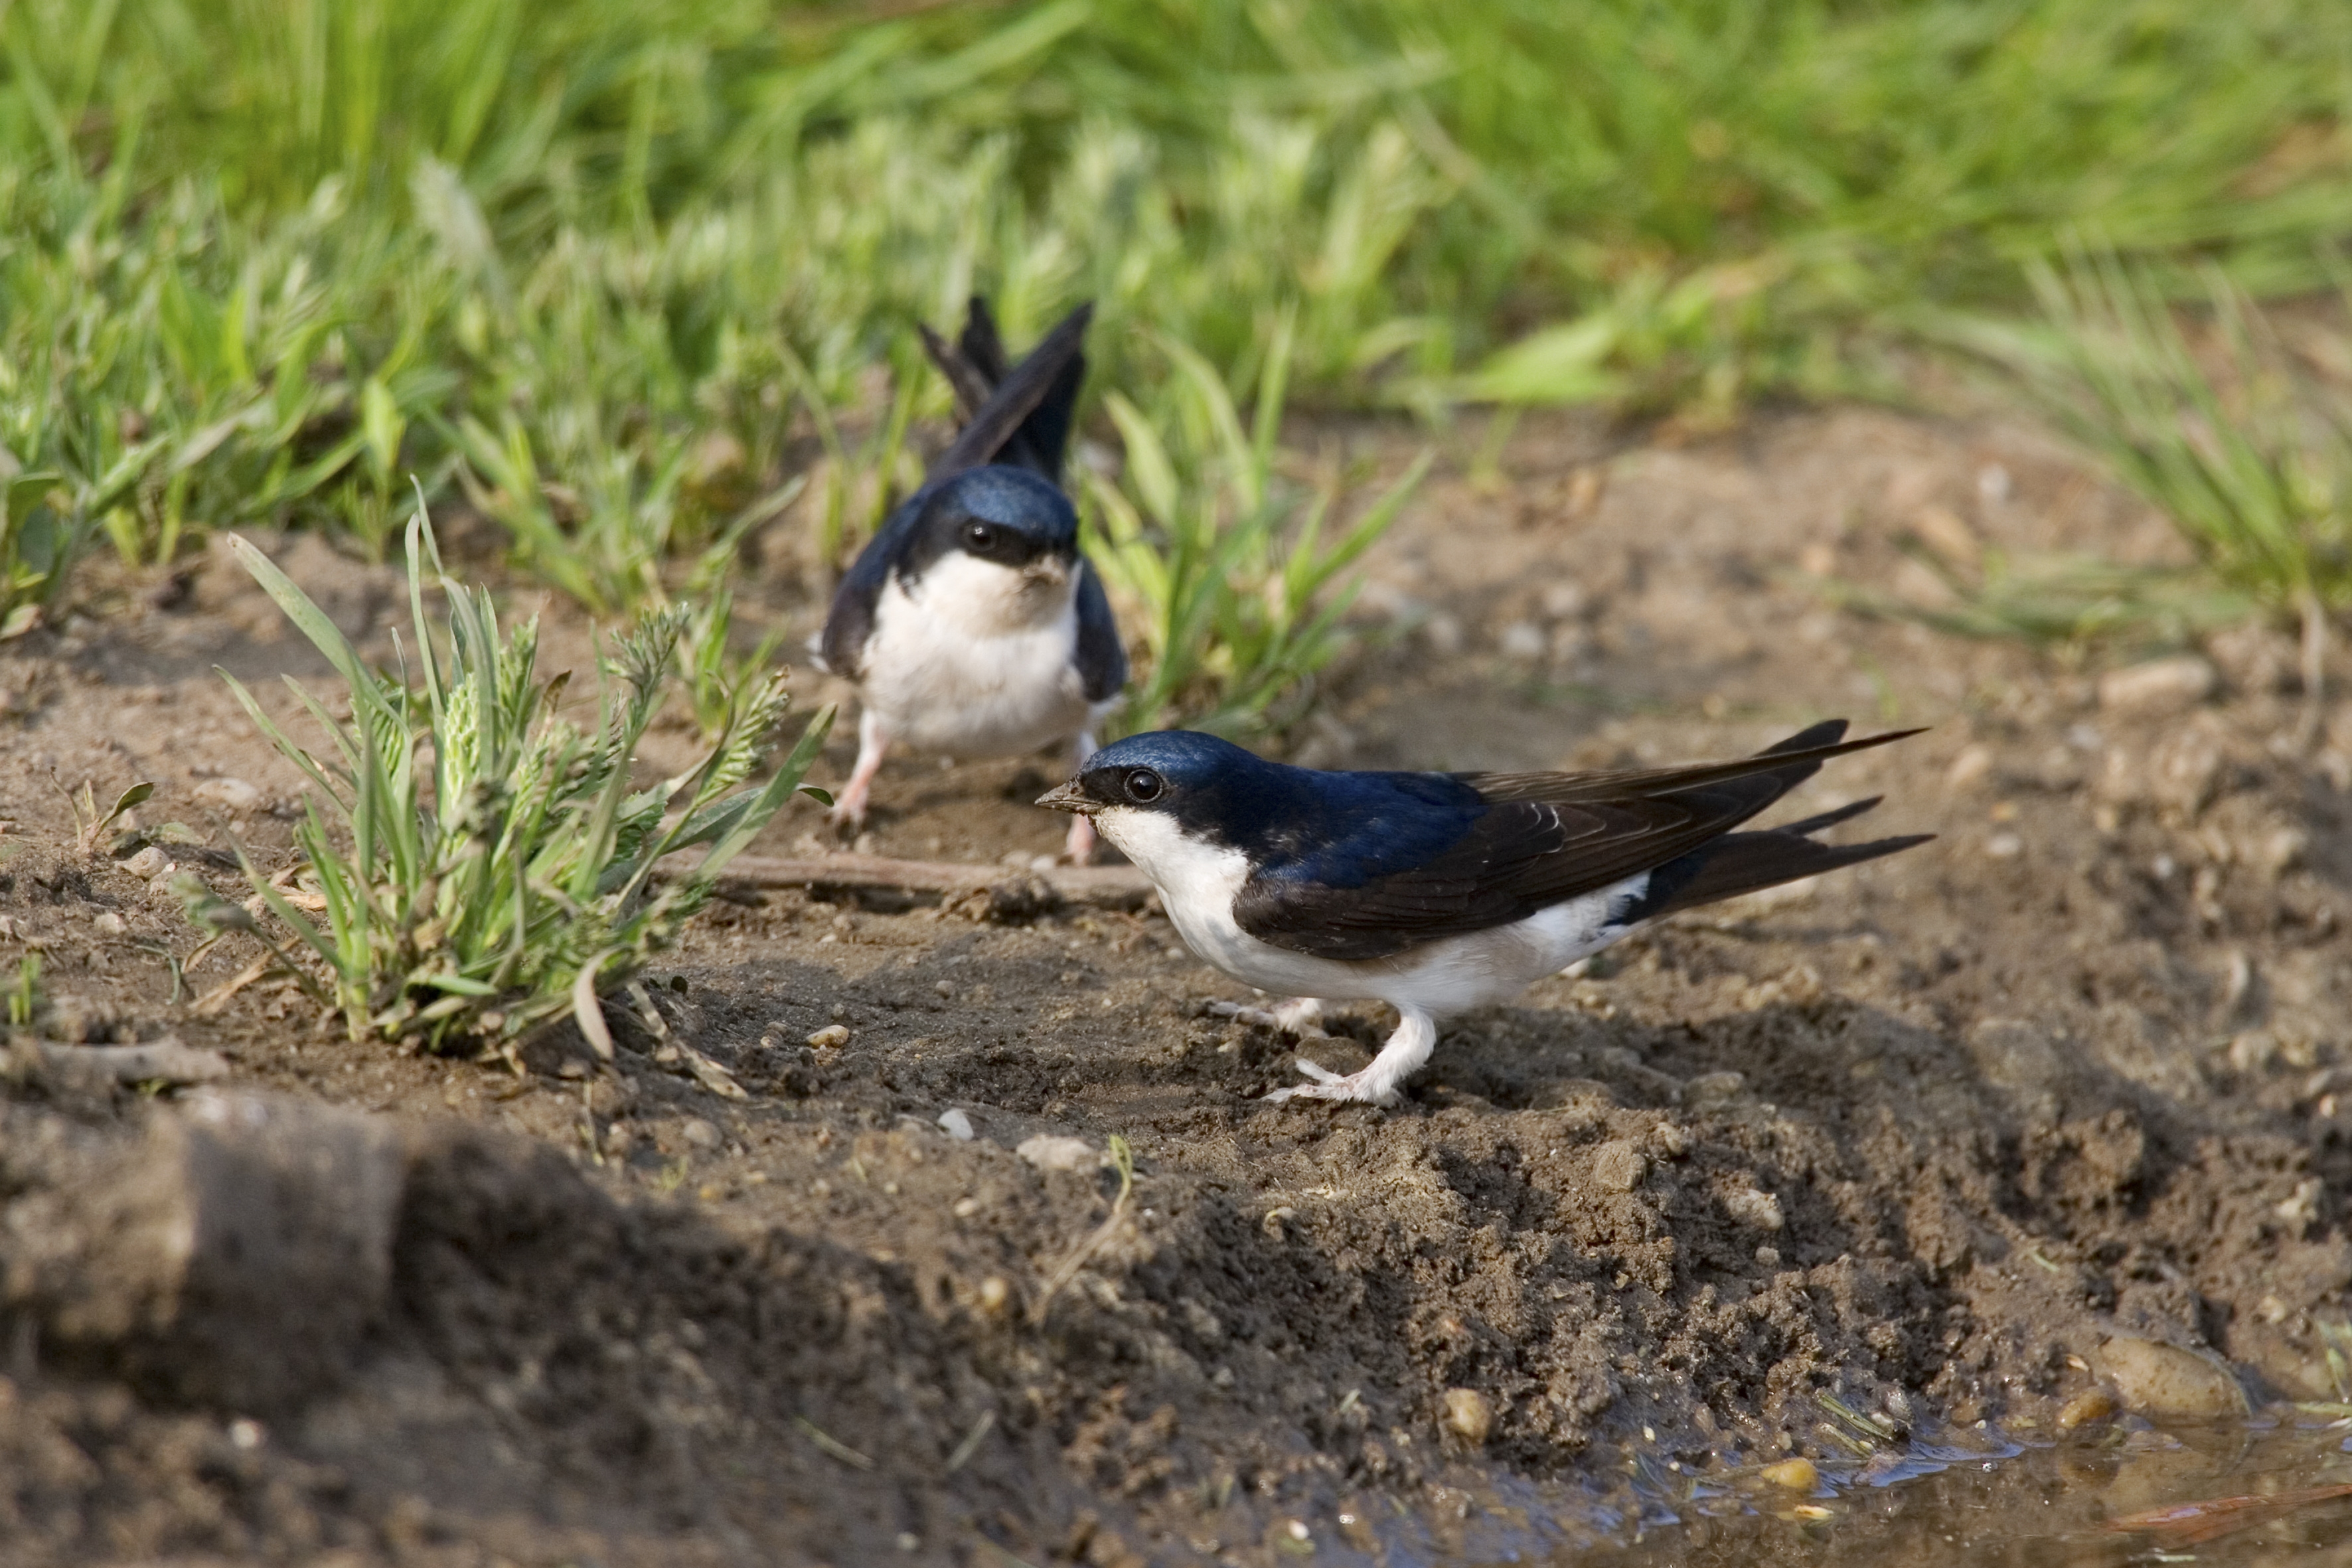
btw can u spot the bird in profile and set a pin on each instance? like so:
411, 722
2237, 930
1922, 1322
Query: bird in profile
971, 622
1438, 893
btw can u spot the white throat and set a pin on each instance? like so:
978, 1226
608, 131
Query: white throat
984, 599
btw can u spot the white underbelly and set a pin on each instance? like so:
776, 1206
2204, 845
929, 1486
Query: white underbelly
1452, 974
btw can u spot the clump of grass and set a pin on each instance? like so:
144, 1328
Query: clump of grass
90, 821
1218, 559
2067, 602
479, 863
719, 681
2252, 467
37, 548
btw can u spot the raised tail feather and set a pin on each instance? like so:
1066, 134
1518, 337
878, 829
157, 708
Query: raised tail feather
1018, 416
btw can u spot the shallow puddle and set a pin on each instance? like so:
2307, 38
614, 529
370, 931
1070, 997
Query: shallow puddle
2209, 1496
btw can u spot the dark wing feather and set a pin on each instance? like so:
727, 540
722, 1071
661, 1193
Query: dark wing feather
981, 343
850, 621
1740, 863
971, 383
1102, 663
1802, 754
975, 364
1026, 418
1547, 839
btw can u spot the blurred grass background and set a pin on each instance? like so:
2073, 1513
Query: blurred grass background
590, 264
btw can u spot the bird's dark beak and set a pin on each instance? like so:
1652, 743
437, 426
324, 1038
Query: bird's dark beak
1070, 797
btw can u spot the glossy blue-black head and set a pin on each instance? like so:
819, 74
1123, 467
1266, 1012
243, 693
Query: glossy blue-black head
1328, 827
1171, 770
1008, 515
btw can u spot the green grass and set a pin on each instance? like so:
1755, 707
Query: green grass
23, 993
2238, 430
480, 863
1217, 562
616, 272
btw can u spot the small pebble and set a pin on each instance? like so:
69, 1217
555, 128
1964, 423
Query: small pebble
1970, 768
1796, 1475
1750, 1207
1524, 640
2005, 846
966, 1208
147, 863
2157, 1380
995, 1295
956, 1124
2160, 687
1618, 1167
944, 989
1769, 1257
699, 1134
1049, 1153
234, 794
830, 1037
109, 923
2086, 1409
1713, 1088
1469, 1414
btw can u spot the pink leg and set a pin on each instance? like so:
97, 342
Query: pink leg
1080, 847
873, 741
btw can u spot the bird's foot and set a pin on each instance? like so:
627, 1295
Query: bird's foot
1301, 1018
1369, 1086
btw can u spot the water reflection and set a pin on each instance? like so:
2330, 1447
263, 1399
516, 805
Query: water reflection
2135, 1494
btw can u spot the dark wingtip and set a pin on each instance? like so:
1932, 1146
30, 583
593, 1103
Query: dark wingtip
1016, 396
969, 380
1812, 824
1828, 732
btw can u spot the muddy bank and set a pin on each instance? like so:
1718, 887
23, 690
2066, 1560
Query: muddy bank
1830, 1173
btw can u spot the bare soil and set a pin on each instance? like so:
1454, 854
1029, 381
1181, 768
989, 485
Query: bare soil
1866, 1172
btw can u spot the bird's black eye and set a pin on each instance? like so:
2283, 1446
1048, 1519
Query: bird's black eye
978, 536
1144, 785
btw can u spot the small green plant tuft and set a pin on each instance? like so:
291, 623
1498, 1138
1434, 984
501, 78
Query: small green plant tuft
1219, 560
479, 862
39, 541
718, 681
89, 823
24, 992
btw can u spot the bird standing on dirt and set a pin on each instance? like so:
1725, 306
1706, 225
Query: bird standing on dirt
971, 624
1438, 892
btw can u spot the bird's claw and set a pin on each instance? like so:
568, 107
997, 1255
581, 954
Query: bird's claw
1344, 1088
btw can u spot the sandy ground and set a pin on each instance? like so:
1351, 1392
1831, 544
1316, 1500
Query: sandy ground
1895, 1166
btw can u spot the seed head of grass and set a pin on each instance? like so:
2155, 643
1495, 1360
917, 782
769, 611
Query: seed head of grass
478, 861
